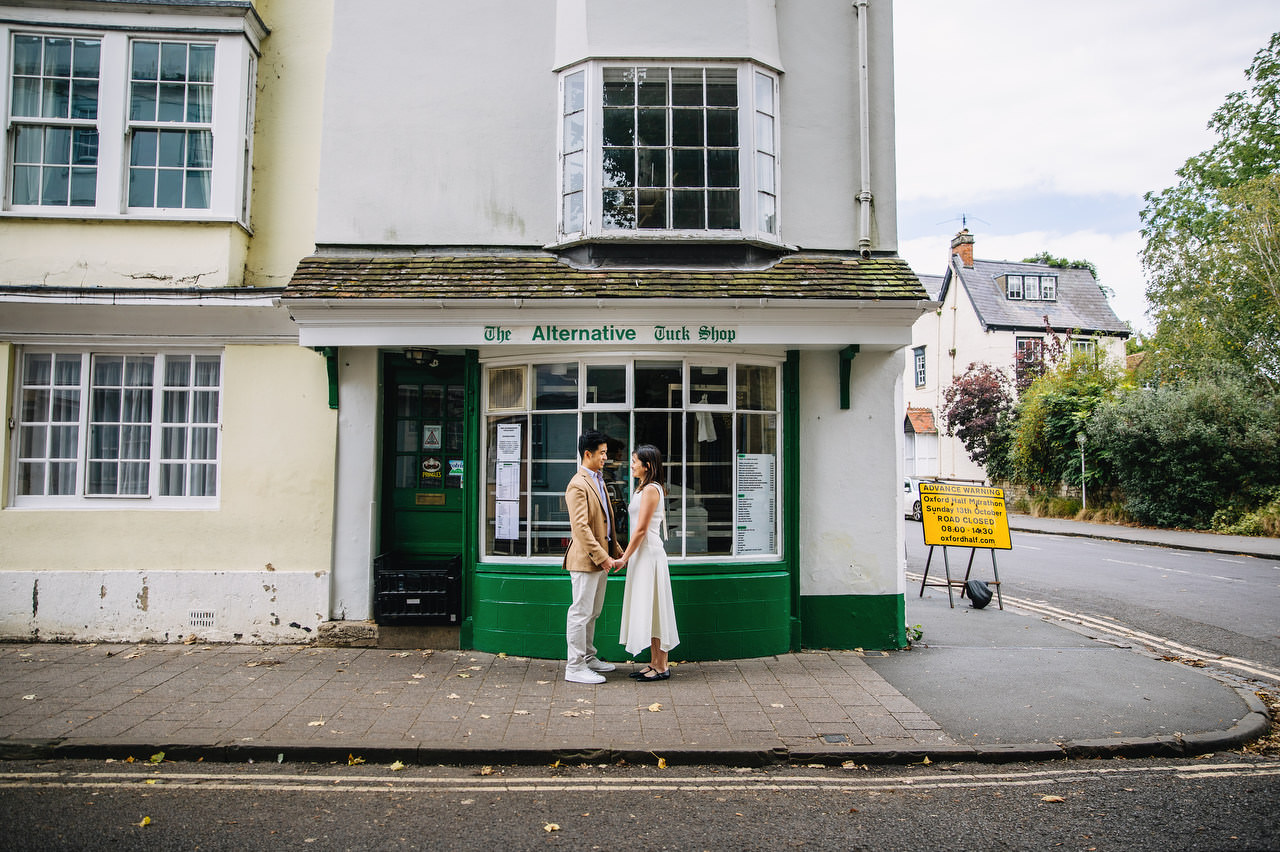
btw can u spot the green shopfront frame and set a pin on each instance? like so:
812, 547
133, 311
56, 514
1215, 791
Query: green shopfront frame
722, 424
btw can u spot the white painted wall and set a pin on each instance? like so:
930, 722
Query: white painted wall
355, 532
851, 534
399, 167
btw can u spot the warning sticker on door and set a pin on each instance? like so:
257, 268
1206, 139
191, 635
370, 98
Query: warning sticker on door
432, 436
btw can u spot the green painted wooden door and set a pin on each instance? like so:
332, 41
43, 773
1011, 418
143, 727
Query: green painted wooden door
418, 575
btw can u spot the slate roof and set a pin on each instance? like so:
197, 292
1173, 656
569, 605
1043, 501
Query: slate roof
932, 285
1081, 305
538, 276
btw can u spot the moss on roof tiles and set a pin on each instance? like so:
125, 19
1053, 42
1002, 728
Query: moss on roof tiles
544, 277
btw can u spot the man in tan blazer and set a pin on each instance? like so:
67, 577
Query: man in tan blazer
592, 554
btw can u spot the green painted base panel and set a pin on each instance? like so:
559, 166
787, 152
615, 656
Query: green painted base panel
720, 616
874, 622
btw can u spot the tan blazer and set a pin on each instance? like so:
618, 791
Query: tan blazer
588, 522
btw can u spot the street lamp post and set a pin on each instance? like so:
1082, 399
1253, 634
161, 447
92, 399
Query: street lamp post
1084, 495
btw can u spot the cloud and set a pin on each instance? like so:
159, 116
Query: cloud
1045, 123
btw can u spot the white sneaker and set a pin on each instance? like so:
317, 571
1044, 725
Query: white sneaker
598, 665
583, 676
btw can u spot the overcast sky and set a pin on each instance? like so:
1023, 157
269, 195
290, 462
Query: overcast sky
1045, 123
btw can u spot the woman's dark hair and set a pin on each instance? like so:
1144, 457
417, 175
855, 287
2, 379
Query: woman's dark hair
651, 457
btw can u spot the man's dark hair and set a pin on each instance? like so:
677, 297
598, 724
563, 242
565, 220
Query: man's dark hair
590, 441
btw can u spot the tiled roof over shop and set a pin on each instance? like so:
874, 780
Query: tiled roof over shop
533, 276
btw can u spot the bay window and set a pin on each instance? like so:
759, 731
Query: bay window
112, 123
648, 150
716, 424
107, 425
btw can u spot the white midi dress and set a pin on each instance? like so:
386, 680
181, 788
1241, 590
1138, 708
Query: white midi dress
647, 607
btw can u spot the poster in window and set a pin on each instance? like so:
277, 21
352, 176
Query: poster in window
506, 520
431, 436
756, 513
432, 473
454, 479
509, 442
507, 481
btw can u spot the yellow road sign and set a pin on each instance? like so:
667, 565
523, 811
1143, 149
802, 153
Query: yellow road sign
964, 516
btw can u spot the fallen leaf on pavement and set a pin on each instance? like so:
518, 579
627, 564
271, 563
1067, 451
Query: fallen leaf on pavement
400, 654
1052, 799
452, 695
397, 766
316, 724
352, 760
146, 821
655, 707
157, 757
28, 698
519, 712
486, 770
551, 826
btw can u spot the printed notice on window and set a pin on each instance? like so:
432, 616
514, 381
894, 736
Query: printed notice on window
509, 442
507, 481
507, 519
756, 509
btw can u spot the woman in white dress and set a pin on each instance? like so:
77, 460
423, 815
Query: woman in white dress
648, 614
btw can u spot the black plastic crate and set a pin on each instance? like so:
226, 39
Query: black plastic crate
412, 590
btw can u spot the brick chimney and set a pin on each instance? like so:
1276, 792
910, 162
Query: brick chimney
962, 244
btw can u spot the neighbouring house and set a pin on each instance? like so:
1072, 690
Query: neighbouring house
674, 222
995, 312
167, 471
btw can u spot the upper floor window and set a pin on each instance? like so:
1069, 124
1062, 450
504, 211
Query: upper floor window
648, 150
919, 366
115, 124
107, 425
1031, 287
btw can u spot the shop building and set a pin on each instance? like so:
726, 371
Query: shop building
674, 224
329, 373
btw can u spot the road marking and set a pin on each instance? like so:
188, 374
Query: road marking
203, 781
1107, 624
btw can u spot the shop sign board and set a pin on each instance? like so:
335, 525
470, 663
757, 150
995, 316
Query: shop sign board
610, 333
964, 516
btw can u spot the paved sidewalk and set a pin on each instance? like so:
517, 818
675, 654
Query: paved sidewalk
306, 702
988, 684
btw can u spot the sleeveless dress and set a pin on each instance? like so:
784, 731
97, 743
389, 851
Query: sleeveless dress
647, 608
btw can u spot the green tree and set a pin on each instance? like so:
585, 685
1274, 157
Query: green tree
977, 408
1050, 416
1062, 263
1180, 453
1211, 242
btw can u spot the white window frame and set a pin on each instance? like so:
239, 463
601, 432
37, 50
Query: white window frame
688, 365
1031, 288
1049, 288
920, 366
1013, 286
759, 172
81, 498
236, 49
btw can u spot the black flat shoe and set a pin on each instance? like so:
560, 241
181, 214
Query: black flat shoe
639, 674
654, 674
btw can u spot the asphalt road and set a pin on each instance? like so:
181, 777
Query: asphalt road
1225, 802
1223, 603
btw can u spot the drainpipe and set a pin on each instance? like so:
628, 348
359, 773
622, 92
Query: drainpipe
864, 133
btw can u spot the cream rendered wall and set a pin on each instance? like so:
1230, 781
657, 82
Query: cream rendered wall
260, 561
98, 253
286, 142
851, 532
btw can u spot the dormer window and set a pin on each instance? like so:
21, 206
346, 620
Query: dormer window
668, 149
1041, 288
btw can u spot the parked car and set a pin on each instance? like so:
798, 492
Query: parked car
911, 498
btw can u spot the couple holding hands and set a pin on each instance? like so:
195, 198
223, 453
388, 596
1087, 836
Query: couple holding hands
648, 615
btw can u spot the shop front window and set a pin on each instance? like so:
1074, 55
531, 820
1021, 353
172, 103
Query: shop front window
715, 423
